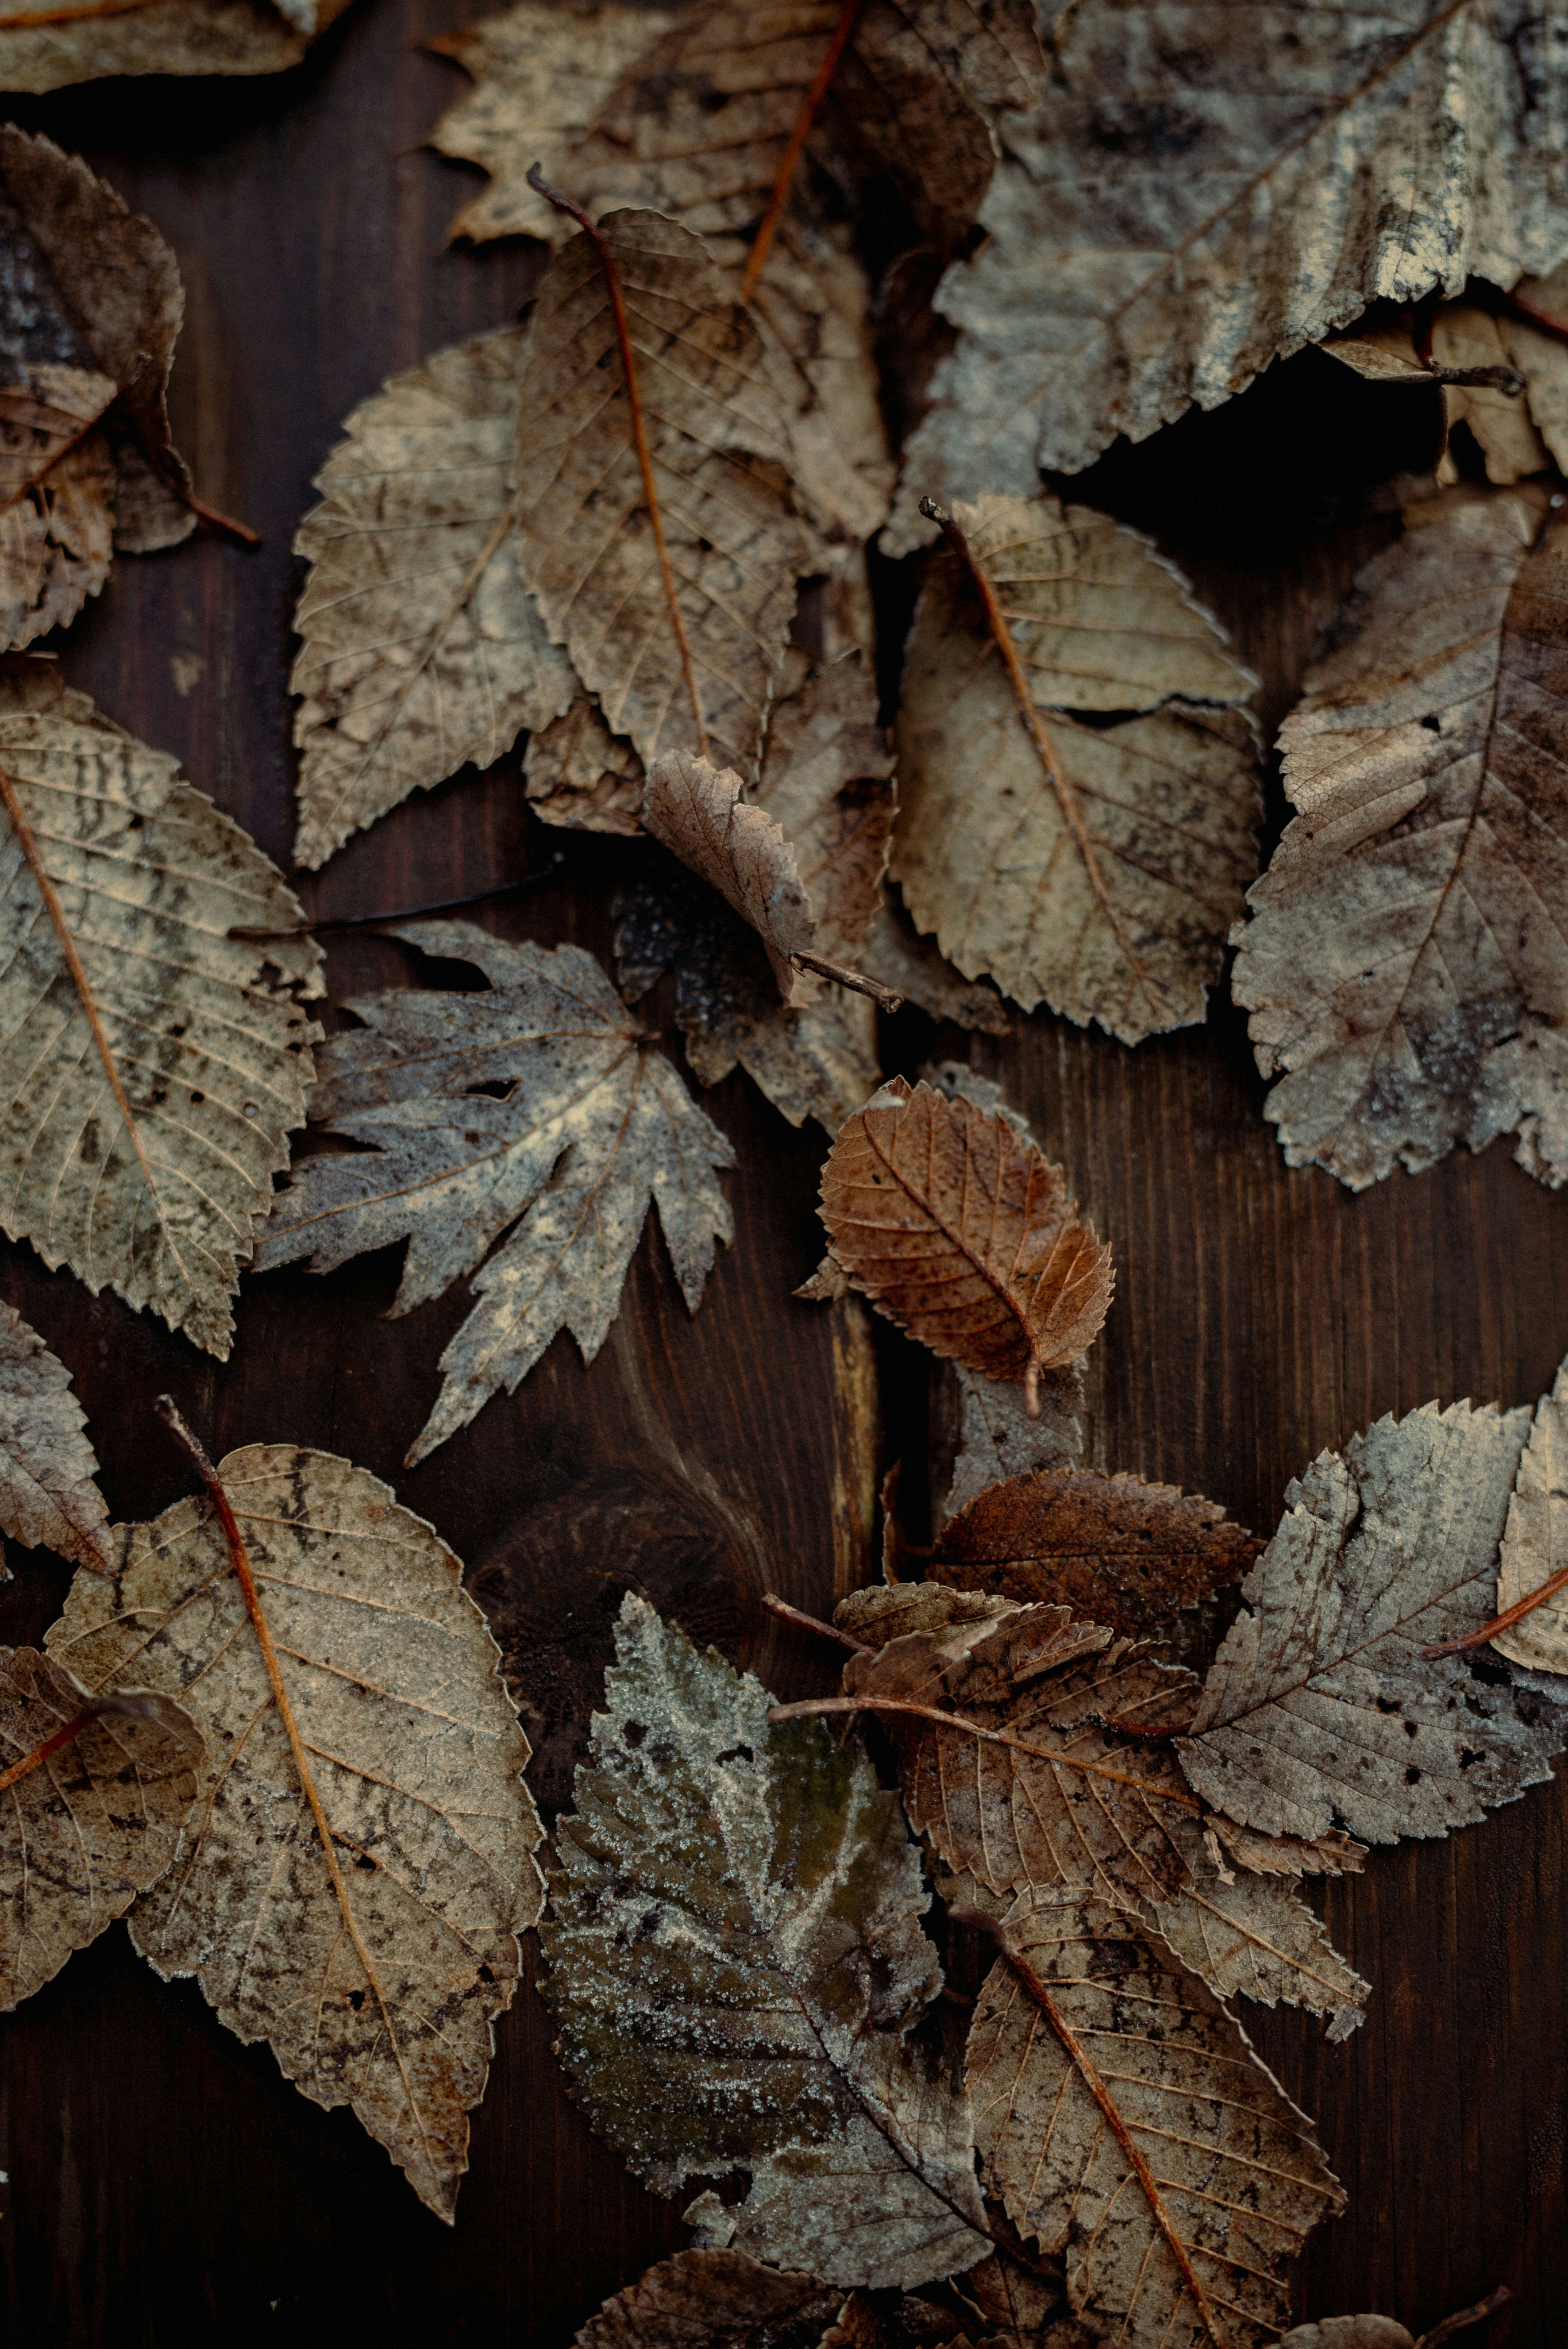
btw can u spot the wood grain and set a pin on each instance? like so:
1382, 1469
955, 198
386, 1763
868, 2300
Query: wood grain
164, 2184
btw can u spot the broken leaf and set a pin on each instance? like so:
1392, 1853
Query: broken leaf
736, 1963
577, 773
914, 967
422, 649
1404, 963
359, 1864
1124, 2120
47, 1466
1097, 868
1320, 1708
998, 1439
75, 43
97, 1791
713, 2300
1536, 1540
153, 1068
1411, 151
962, 1233
593, 1127
58, 491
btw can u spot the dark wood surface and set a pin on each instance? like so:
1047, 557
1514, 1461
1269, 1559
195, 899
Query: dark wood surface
164, 2184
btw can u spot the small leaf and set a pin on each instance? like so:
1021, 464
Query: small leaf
47, 1464
696, 809
58, 492
577, 773
713, 2300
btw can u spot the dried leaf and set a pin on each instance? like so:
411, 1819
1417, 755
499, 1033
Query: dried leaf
1018, 2310
164, 37
736, 1963
47, 1464
1349, 2332
579, 774
1320, 1708
1405, 965
884, 1611
1255, 1937
713, 2300
422, 648
998, 1439
58, 493
595, 1125
1518, 416
964, 1235
1096, 868
1396, 154
1536, 1540
153, 1070
1124, 2118
1465, 339
375, 1971
714, 430
93, 1813
914, 967
696, 809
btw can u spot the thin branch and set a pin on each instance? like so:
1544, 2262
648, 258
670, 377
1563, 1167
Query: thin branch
804, 1622
241, 529
887, 997
542, 187
762, 243
408, 913
1457, 2324
1503, 1622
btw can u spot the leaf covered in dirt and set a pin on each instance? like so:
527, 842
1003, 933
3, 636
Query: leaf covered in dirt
72, 43
594, 1126
713, 2300
48, 1467
359, 1862
738, 1965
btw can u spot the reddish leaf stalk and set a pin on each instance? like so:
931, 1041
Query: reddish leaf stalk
1503, 1622
762, 243
239, 530
51, 1744
889, 999
804, 1622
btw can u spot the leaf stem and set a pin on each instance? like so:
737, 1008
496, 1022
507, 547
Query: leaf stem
888, 998
239, 530
1458, 2322
804, 1622
409, 913
1503, 1622
542, 187
762, 243
51, 1744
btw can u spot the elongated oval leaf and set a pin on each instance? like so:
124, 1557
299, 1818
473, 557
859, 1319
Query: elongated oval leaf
48, 1467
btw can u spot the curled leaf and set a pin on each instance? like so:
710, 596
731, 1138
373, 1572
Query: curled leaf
1536, 1540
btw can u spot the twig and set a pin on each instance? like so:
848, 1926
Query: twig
241, 529
409, 913
1456, 2323
1503, 1622
762, 243
886, 996
804, 1622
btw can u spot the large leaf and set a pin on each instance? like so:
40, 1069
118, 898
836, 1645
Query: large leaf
594, 1126
1376, 154
48, 1467
162, 36
423, 650
359, 1863
1406, 965
736, 1963
153, 1063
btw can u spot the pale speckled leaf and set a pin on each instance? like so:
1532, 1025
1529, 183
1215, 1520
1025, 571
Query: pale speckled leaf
1372, 156
57, 494
1405, 964
48, 1467
91, 1826
595, 1126
737, 1962
375, 1979
577, 774
165, 36
713, 2300
1536, 1540
422, 648
998, 1439
1319, 1708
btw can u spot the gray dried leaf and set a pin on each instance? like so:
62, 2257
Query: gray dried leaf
89, 1825
713, 2300
999, 1440
1253, 1936
1402, 151
1535, 1539
374, 1971
57, 494
165, 36
151, 1099
595, 1127
1404, 964
577, 774
1320, 1708
48, 1467
422, 648
736, 1965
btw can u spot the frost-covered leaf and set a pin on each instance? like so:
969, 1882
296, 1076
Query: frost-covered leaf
376, 1961
713, 2300
594, 1126
48, 1467
737, 1966
422, 648
161, 36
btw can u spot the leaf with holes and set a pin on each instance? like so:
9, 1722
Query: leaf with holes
49, 44
49, 1491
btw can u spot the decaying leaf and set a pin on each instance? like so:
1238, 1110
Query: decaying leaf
58, 492
359, 1863
1097, 868
736, 1965
97, 1791
83, 42
152, 1069
1394, 153
1320, 1708
959, 1230
696, 809
998, 1439
1405, 964
894, 952
48, 1467
594, 1126
1504, 376
713, 2300
577, 773
1124, 2120
650, 393
422, 648
1536, 1540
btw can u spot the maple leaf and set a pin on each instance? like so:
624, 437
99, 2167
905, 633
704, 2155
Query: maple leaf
580, 775
713, 2300
594, 1125
962, 1232
359, 1861
48, 1467
1320, 1707
736, 1965
153, 1069
1412, 154
1096, 868
1404, 963
97, 1792
1123, 2118
423, 650
58, 42
1532, 1541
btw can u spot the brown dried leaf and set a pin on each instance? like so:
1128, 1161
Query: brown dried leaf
1124, 2118
713, 2300
914, 967
58, 493
961, 1232
422, 648
48, 1467
696, 809
1514, 424
375, 1969
89, 1824
1536, 1540
1335, 1854
1252, 1936
164, 37
1094, 868
577, 773
1405, 963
